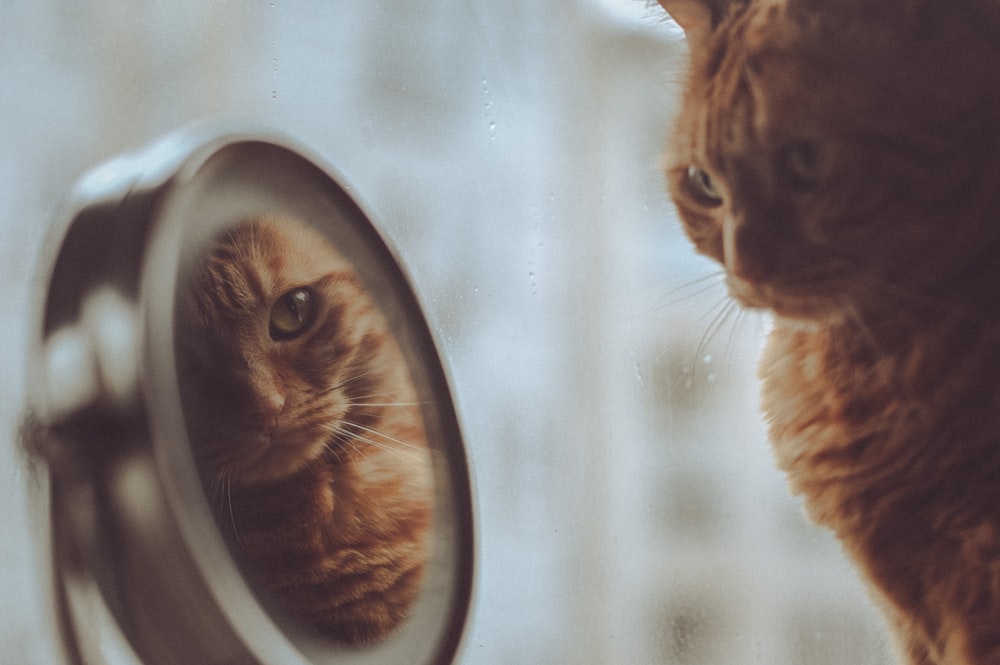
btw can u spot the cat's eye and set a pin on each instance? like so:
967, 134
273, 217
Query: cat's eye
292, 314
181, 508
701, 186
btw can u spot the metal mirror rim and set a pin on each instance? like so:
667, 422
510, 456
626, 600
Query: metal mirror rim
134, 190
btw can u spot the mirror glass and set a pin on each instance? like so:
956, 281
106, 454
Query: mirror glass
318, 414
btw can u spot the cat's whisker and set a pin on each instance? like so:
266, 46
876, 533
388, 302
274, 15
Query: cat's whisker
741, 317
351, 379
718, 322
333, 450
401, 454
384, 395
388, 404
415, 452
347, 438
723, 310
337, 432
677, 296
713, 275
217, 497
345, 385
385, 436
352, 444
229, 503
391, 404
348, 443
216, 490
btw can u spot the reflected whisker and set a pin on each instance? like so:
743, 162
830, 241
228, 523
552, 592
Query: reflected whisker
333, 450
416, 452
388, 404
346, 382
216, 495
389, 398
385, 436
402, 454
229, 503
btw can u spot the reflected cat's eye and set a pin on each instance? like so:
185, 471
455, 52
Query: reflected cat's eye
702, 188
292, 314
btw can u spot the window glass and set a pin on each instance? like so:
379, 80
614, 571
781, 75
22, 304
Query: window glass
629, 510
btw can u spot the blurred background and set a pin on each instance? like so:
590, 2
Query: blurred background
629, 508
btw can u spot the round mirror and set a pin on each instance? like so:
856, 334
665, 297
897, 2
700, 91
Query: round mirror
247, 434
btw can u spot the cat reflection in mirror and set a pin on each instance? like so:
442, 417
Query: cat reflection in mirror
841, 160
306, 427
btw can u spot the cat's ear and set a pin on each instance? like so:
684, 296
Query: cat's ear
696, 17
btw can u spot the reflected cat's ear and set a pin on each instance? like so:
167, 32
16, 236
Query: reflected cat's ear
696, 17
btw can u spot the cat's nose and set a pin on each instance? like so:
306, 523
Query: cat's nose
269, 405
272, 402
266, 393
747, 251
264, 410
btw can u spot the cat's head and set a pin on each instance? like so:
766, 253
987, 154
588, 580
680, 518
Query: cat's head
838, 153
278, 343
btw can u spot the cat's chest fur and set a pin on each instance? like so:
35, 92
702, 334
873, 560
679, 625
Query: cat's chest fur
844, 416
898, 451
332, 505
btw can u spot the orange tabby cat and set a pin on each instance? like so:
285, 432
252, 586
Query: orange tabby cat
841, 160
305, 423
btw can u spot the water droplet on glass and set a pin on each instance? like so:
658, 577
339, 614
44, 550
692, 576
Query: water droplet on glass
707, 359
638, 375
488, 110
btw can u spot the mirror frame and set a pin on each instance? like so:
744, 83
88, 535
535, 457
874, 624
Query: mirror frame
137, 564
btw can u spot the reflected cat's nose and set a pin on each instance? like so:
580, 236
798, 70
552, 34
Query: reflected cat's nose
263, 410
272, 402
266, 394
